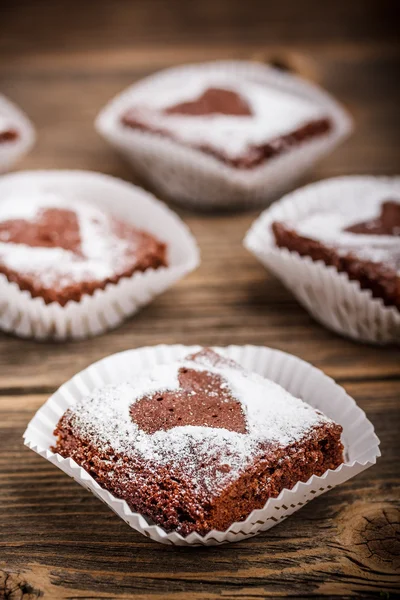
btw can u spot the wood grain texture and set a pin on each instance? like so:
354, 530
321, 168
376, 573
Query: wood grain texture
62, 61
344, 541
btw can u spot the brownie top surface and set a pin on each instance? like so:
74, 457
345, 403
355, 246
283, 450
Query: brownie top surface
368, 227
229, 115
204, 415
64, 241
213, 101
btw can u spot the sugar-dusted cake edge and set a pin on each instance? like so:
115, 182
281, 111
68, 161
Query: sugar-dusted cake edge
330, 297
192, 177
166, 494
256, 155
167, 499
299, 377
382, 281
105, 309
75, 292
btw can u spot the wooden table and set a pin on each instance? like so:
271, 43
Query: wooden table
62, 61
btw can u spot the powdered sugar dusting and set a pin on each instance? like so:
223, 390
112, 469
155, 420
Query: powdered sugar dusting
274, 113
273, 416
6, 124
328, 227
103, 253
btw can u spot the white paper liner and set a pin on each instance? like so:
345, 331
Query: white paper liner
330, 297
105, 309
190, 176
298, 377
10, 152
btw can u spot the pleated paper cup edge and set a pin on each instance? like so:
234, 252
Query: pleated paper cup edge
156, 533
387, 313
250, 185
264, 249
253, 523
263, 255
46, 321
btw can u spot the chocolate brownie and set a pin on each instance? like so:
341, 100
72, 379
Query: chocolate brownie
61, 249
8, 132
198, 444
367, 250
243, 124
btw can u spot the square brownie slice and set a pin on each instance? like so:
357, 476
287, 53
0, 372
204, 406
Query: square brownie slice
242, 123
198, 444
60, 249
364, 243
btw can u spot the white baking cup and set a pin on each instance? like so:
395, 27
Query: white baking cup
12, 151
329, 296
190, 176
105, 309
298, 377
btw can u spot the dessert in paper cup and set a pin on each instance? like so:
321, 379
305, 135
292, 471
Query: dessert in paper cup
201, 446
81, 251
336, 245
17, 134
223, 134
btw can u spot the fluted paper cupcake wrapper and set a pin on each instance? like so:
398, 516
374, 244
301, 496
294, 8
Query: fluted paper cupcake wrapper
329, 296
298, 377
192, 177
105, 309
10, 152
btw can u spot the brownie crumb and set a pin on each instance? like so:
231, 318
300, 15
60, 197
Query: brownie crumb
61, 251
243, 125
372, 261
197, 474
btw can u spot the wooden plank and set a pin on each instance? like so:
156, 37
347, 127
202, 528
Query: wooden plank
135, 60
64, 542
62, 61
171, 320
231, 299
64, 24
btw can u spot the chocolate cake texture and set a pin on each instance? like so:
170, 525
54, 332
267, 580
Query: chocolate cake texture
8, 132
61, 249
241, 123
197, 444
368, 251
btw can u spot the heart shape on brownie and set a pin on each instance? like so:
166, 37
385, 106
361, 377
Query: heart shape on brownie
386, 223
214, 101
203, 399
52, 228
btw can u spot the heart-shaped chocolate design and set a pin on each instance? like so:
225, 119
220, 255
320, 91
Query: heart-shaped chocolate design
203, 399
387, 223
52, 228
212, 102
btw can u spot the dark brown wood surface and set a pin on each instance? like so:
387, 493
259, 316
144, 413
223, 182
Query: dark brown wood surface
62, 61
